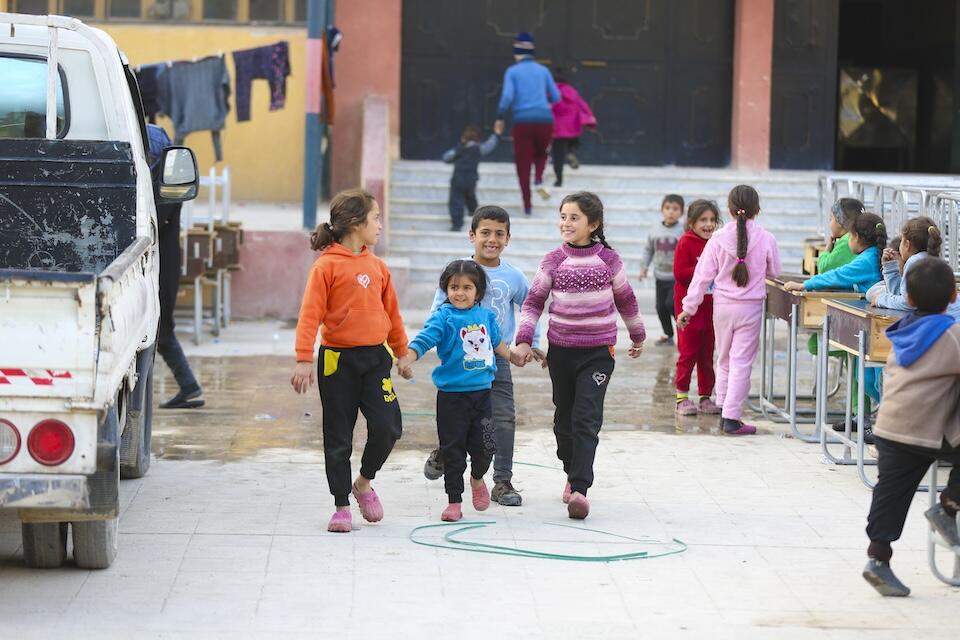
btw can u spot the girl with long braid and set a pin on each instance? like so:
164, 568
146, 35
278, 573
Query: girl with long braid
589, 286
736, 260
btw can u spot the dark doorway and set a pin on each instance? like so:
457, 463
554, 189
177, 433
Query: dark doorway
656, 73
896, 85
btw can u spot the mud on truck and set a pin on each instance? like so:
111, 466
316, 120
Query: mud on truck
78, 283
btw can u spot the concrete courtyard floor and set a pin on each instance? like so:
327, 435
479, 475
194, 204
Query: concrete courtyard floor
225, 538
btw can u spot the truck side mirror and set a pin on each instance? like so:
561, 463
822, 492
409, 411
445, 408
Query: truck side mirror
179, 180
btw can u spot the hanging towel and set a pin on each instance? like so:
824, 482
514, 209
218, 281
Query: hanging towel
196, 97
270, 63
148, 78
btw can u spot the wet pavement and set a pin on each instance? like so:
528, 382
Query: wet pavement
226, 535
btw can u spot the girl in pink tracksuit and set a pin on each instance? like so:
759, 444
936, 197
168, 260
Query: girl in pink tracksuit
570, 115
736, 260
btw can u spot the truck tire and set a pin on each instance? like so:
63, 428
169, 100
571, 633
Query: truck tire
136, 438
95, 543
44, 544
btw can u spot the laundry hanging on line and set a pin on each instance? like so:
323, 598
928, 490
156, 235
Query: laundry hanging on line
270, 63
195, 95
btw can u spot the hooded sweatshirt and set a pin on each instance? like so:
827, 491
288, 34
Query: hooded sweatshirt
922, 371
353, 297
571, 114
719, 258
859, 275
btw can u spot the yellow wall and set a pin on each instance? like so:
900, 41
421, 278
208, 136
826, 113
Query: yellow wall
265, 154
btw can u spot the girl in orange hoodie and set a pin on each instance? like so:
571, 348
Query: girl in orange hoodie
349, 292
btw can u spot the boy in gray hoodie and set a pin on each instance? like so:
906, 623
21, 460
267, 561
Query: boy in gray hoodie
659, 250
923, 370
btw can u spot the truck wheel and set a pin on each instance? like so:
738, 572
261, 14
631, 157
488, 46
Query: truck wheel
44, 544
95, 543
136, 438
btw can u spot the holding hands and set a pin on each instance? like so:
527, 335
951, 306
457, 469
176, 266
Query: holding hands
404, 364
793, 286
683, 320
635, 350
498, 127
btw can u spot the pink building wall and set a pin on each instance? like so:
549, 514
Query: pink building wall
752, 73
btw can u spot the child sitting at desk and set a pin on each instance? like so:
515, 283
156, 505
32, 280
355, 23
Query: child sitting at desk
919, 238
868, 236
922, 371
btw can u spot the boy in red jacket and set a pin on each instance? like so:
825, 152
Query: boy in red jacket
695, 342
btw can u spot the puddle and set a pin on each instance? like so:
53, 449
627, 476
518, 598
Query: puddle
251, 408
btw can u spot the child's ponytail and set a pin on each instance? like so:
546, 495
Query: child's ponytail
744, 204
348, 210
923, 235
872, 232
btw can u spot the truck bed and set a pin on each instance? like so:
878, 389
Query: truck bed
65, 205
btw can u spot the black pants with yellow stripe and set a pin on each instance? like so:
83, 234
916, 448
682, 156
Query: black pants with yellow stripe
352, 379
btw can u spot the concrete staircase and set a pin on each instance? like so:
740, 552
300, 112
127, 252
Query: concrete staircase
419, 221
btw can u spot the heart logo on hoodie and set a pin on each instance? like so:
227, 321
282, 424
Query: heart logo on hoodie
363, 279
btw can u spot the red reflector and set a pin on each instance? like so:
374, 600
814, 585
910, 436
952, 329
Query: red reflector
50, 442
9, 441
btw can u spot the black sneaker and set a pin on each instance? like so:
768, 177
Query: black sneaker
433, 467
881, 577
868, 434
185, 399
842, 425
504, 494
944, 524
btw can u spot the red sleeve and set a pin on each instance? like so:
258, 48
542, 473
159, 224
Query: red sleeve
684, 262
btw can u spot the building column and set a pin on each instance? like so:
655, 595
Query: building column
752, 73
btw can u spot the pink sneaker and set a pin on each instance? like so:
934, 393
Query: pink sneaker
481, 496
566, 493
369, 503
340, 522
737, 427
686, 408
708, 406
452, 513
578, 508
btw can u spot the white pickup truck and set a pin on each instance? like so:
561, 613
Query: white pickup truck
78, 283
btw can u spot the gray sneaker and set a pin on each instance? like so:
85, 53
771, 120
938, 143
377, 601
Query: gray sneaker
881, 577
433, 467
944, 524
504, 494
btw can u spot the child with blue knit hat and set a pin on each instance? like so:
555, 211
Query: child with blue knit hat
528, 92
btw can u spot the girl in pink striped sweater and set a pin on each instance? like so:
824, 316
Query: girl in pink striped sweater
589, 286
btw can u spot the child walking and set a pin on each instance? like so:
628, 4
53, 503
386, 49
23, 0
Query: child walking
506, 290
696, 341
660, 248
350, 293
466, 337
736, 259
588, 285
921, 371
465, 158
570, 116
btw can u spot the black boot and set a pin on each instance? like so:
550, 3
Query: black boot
189, 398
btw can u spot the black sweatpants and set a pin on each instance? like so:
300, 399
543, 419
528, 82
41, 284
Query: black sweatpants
665, 305
168, 244
559, 148
351, 379
463, 193
580, 378
464, 425
901, 468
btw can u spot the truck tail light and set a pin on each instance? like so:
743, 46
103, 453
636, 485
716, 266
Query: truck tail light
50, 442
9, 441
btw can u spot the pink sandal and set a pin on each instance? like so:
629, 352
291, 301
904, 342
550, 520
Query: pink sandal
340, 522
452, 513
369, 503
578, 508
481, 496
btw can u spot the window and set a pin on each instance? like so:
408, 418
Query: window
127, 8
23, 99
35, 7
266, 10
300, 11
220, 9
77, 8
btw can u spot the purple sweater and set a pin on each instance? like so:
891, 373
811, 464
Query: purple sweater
589, 285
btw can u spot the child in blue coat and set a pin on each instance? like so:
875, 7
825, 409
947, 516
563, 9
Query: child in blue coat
466, 336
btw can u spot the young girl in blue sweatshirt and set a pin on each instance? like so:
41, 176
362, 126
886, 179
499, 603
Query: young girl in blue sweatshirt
919, 238
868, 237
466, 336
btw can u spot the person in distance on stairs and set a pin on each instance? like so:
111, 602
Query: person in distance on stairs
465, 158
